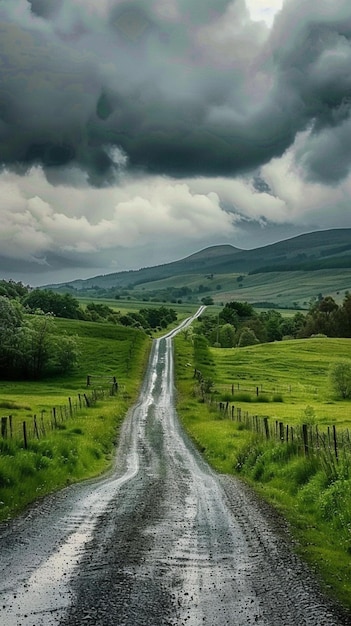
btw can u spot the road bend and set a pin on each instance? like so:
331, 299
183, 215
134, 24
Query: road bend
162, 540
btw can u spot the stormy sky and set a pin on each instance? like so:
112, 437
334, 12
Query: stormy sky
134, 133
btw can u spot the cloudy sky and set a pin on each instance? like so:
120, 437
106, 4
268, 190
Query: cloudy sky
133, 133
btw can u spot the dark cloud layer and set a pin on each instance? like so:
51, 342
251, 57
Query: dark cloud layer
174, 87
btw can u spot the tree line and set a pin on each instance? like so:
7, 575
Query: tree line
45, 301
29, 344
238, 324
30, 347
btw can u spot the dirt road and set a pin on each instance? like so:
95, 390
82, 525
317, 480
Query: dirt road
161, 541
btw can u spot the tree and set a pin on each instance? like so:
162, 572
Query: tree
11, 323
65, 353
227, 336
272, 321
61, 305
44, 352
242, 310
207, 300
38, 345
340, 377
247, 338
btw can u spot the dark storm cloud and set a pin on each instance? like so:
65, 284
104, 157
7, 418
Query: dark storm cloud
174, 87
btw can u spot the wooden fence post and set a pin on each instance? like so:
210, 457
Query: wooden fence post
305, 438
281, 431
4, 427
87, 401
266, 427
36, 432
335, 442
25, 440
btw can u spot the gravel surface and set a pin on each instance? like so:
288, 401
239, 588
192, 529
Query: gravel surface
163, 540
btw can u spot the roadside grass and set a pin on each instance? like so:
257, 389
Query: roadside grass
313, 496
82, 446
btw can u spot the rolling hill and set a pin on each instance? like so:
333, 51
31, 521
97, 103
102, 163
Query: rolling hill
298, 266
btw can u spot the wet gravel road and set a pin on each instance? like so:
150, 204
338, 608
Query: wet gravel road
160, 541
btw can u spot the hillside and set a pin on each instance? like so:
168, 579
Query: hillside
197, 263
288, 272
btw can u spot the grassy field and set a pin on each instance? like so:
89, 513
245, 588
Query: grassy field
297, 371
81, 446
282, 288
285, 288
127, 306
313, 494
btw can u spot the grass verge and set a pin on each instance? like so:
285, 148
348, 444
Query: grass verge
316, 504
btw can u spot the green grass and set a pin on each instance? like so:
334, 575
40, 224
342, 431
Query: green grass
316, 501
292, 374
285, 288
135, 304
82, 446
282, 288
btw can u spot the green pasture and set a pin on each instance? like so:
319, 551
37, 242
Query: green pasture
80, 446
295, 373
312, 492
285, 288
189, 280
125, 306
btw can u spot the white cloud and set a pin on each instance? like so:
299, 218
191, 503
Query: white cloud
151, 220
264, 10
36, 217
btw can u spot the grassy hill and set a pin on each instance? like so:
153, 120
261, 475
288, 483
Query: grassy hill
287, 273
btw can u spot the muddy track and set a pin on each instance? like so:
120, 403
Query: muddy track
161, 541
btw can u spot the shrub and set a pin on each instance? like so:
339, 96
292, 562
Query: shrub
340, 378
242, 396
262, 398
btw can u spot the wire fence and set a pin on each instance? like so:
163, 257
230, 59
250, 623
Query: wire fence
331, 446
39, 425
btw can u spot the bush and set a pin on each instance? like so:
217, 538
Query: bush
242, 396
262, 398
340, 378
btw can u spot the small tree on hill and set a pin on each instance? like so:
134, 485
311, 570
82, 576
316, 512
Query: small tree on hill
247, 338
340, 377
227, 336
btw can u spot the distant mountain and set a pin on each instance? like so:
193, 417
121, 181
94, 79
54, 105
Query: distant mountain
197, 263
318, 250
